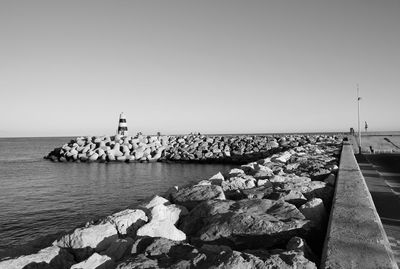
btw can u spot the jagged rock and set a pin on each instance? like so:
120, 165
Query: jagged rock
119, 248
204, 182
51, 257
261, 182
273, 144
154, 201
235, 172
330, 180
264, 174
97, 237
128, 221
191, 196
291, 167
289, 259
320, 174
314, 210
233, 260
290, 179
217, 179
162, 223
294, 197
138, 262
95, 261
310, 189
258, 192
244, 223
238, 183
283, 157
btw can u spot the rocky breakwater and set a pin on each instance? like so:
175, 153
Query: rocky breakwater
188, 148
229, 149
111, 148
271, 213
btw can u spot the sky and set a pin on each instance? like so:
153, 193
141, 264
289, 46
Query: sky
70, 67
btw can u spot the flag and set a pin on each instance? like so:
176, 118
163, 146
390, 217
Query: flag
359, 98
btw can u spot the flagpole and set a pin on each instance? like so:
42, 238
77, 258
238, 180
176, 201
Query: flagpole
359, 129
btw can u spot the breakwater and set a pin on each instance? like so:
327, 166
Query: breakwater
271, 212
187, 148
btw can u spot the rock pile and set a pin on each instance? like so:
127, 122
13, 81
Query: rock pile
114, 148
271, 213
188, 148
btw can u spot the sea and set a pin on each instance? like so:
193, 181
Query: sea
40, 200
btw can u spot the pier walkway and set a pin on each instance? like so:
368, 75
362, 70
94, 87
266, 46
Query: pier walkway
382, 175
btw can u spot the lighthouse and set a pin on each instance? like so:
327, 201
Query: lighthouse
122, 126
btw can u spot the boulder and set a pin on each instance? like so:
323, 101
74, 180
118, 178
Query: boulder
119, 248
128, 221
98, 237
245, 223
295, 197
261, 182
217, 179
235, 172
154, 201
52, 257
300, 245
191, 196
238, 183
203, 182
282, 157
314, 210
162, 223
287, 259
264, 174
272, 144
330, 180
138, 262
258, 192
233, 260
95, 261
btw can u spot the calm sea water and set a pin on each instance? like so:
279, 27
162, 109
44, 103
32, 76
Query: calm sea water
39, 198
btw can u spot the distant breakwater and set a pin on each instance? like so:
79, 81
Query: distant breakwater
185, 148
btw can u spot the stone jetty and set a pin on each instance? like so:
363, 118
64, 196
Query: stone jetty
268, 213
185, 148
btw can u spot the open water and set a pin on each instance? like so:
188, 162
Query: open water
39, 198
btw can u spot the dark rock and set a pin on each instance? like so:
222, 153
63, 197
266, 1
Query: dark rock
245, 223
138, 262
191, 196
294, 197
258, 192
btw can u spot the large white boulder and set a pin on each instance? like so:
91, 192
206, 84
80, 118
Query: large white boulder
162, 223
97, 237
128, 220
156, 200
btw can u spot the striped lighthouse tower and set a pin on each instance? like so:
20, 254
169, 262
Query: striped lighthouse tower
122, 126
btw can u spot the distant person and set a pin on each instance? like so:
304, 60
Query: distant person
366, 127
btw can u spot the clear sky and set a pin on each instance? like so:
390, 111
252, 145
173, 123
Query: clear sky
70, 67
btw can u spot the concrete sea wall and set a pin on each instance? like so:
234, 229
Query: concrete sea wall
355, 237
270, 213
